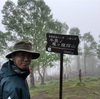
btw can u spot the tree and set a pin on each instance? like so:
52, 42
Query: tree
31, 20
3, 42
98, 49
98, 56
89, 48
76, 31
67, 67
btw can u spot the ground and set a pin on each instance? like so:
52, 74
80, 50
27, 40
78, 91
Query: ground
82, 96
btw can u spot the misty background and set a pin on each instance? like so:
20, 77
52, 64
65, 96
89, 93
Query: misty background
82, 17
83, 14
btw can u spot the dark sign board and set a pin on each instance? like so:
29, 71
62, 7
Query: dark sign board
67, 44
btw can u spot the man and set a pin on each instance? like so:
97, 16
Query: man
13, 73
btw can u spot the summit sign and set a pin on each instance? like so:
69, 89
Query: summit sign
66, 44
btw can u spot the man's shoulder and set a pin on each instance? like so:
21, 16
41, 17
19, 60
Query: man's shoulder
5, 65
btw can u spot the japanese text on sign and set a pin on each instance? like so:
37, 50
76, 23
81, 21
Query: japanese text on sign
62, 43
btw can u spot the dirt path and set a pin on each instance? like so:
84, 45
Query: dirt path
40, 96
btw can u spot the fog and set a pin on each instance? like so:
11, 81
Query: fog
83, 14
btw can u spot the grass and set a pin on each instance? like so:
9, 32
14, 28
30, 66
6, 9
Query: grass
89, 88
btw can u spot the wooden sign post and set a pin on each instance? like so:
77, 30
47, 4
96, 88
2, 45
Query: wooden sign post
63, 44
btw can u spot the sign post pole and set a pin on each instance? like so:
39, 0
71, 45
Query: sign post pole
63, 44
61, 76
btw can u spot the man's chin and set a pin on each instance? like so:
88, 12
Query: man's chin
23, 67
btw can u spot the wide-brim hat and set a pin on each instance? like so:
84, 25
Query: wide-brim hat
23, 47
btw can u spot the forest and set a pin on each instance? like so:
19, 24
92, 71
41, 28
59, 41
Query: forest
31, 20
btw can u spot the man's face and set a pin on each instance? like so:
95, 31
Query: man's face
22, 59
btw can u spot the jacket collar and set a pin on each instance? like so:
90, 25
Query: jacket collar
9, 69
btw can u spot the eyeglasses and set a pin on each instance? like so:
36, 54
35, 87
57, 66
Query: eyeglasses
23, 54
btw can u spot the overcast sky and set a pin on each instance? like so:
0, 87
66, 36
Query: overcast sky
83, 14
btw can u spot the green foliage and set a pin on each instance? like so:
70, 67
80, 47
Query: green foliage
89, 79
89, 44
3, 41
30, 20
71, 89
75, 31
80, 84
98, 51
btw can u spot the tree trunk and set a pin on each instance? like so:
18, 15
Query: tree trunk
85, 65
41, 75
78, 62
80, 75
32, 82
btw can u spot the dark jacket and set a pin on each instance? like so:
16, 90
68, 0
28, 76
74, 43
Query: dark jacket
13, 82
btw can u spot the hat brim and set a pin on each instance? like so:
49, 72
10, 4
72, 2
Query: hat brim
34, 54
